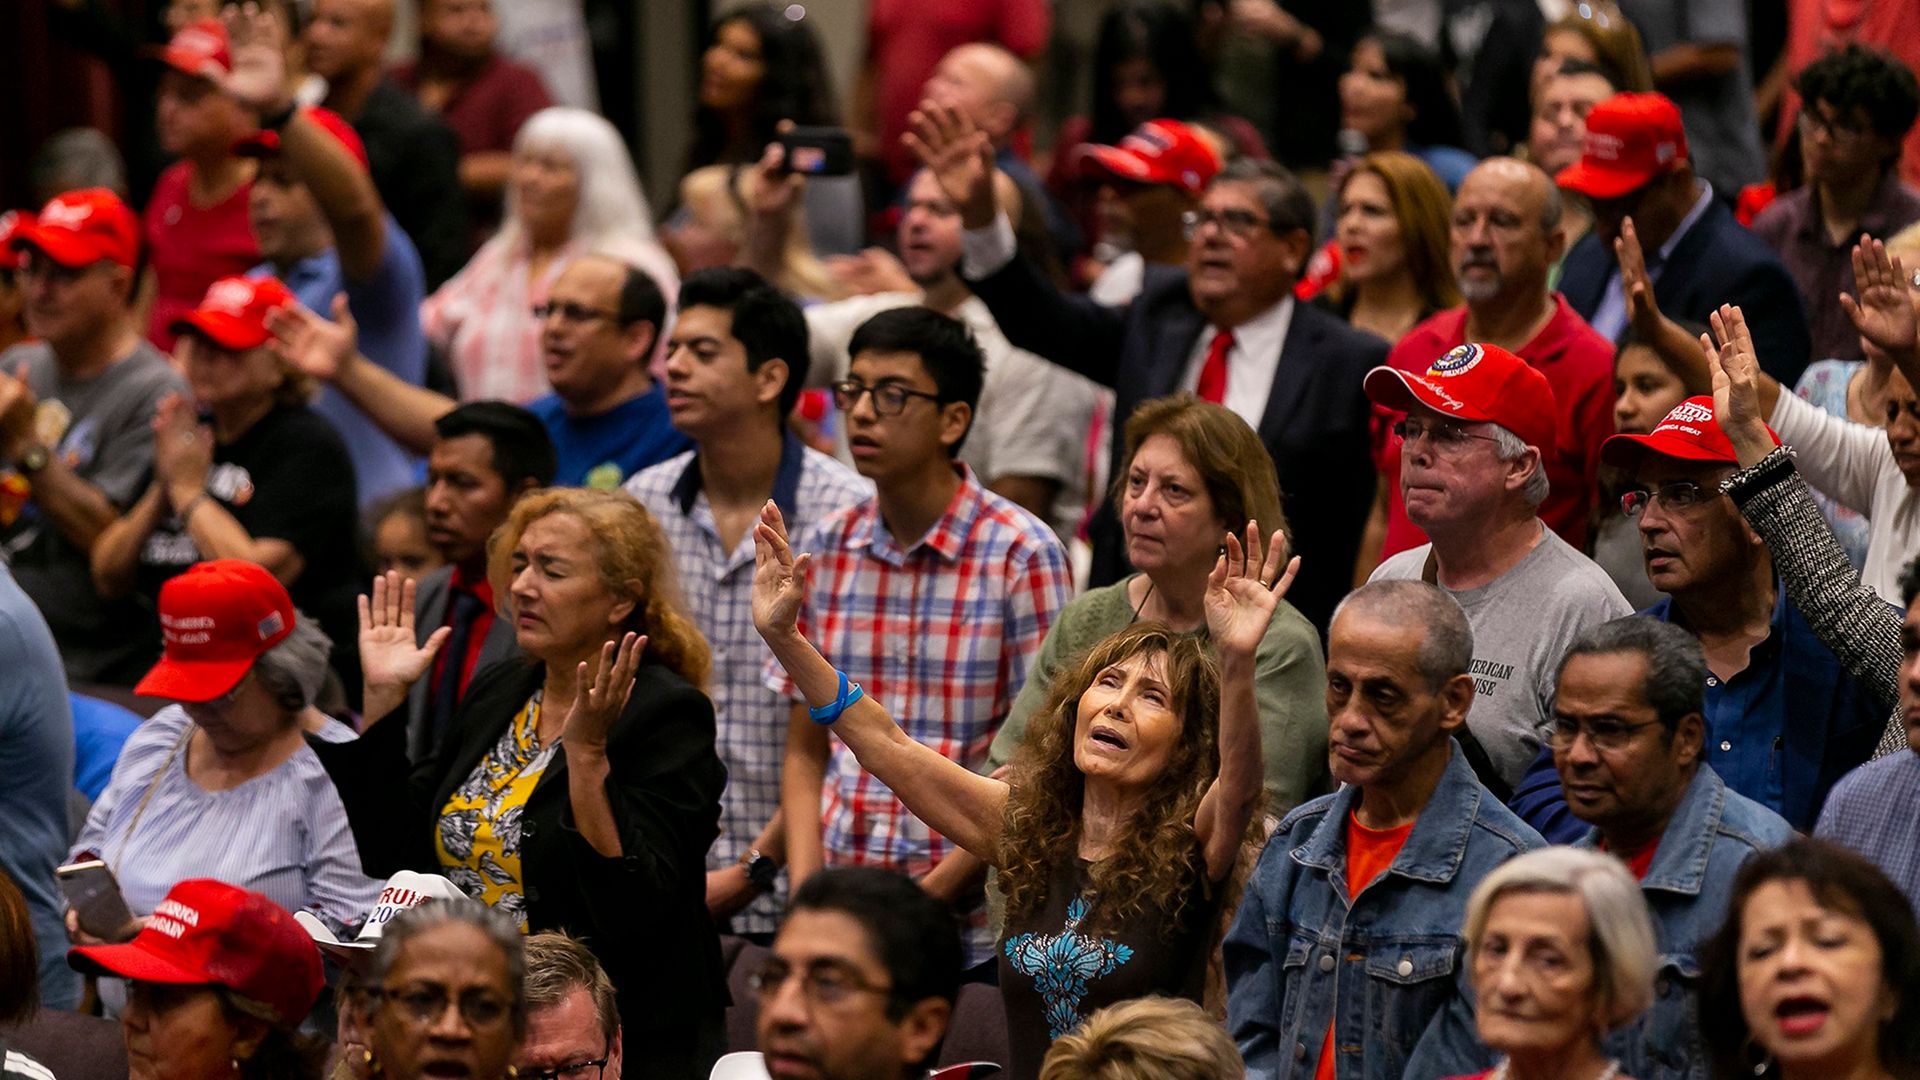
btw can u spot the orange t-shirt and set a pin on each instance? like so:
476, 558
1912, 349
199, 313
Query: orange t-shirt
1369, 853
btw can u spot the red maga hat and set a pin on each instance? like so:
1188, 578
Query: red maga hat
1165, 152
217, 618
208, 932
266, 142
1687, 433
200, 49
233, 314
1631, 139
1478, 384
11, 223
80, 228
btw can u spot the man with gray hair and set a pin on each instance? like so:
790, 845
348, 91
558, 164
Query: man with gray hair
1505, 241
1629, 742
1478, 428
1343, 958
573, 1022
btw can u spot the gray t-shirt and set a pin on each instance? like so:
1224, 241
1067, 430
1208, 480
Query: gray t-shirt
1522, 623
1723, 133
103, 428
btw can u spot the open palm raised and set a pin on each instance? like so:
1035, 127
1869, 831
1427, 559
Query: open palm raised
1247, 583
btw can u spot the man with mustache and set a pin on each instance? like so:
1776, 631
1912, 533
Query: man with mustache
1506, 239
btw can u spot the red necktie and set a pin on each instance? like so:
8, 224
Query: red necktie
1213, 374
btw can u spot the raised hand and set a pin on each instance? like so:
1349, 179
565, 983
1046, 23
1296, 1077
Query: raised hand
391, 660
257, 41
960, 157
182, 448
1245, 586
874, 270
779, 579
600, 693
1883, 312
1736, 384
1643, 311
772, 191
311, 344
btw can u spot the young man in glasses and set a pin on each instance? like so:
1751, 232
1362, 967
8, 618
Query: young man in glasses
933, 595
573, 1019
862, 980
1784, 719
735, 365
607, 417
1630, 742
1479, 424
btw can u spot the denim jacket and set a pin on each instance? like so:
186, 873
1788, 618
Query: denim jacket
1688, 888
1388, 964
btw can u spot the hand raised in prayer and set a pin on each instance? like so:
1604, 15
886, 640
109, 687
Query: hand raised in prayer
313, 345
1244, 588
600, 694
960, 157
1736, 382
391, 658
257, 42
182, 449
1643, 311
1883, 311
779, 579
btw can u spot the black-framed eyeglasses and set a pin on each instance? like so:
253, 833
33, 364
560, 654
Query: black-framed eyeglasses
1679, 496
825, 983
1233, 221
572, 312
1606, 734
889, 399
426, 1003
1445, 435
579, 1070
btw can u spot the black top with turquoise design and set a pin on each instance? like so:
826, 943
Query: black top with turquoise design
1058, 966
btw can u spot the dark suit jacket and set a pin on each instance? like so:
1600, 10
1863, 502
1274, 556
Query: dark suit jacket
429, 614
644, 914
1315, 425
1717, 262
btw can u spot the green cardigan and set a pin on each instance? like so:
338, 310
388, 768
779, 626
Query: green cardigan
1290, 683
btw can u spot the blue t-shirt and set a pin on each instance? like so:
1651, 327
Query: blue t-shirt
386, 307
36, 757
100, 729
602, 451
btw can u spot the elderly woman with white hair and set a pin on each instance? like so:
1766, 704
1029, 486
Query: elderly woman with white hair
572, 192
1561, 953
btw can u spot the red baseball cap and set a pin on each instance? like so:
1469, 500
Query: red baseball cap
217, 618
1687, 433
234, 312
80, 228
11, 223
1477, 384
208, 932
1157, 152
266, 142
1631, 139
200, 49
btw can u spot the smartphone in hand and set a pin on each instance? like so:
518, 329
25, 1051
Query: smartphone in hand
94, 895
818, 151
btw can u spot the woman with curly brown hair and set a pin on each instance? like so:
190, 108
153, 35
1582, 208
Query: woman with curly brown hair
1127, 807
577, 787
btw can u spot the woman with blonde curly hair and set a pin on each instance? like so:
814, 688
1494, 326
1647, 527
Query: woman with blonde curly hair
1152, 1038
1127, 807
576, 788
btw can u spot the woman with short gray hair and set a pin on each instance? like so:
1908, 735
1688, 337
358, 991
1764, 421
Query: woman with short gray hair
446, 955
1562, 952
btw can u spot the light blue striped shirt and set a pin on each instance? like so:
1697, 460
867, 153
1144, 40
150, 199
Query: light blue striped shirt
283, 834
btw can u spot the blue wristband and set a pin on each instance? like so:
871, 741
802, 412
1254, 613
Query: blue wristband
849, 693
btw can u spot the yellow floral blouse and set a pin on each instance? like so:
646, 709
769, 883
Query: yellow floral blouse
479, 835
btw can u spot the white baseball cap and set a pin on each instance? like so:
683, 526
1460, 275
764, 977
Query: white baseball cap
403, 890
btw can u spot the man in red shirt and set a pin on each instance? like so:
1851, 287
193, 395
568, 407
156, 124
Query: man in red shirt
1505, 240
196, 223
483, 96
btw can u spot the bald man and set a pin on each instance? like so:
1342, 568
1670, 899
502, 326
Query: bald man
415, 157
1505, 240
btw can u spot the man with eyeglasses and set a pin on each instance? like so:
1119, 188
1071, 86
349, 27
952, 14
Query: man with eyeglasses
1505, 239
1784, 720
1630, 741
76, 426
861, 982
1473, 447
933, 595
607, 416
1857, 106
1636, 167
1226, 328
573, 1018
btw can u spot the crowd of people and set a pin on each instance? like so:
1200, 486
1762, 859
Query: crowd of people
1389, 551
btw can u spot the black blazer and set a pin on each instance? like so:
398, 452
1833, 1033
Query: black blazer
644, 914
1315, 426
1717, 262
